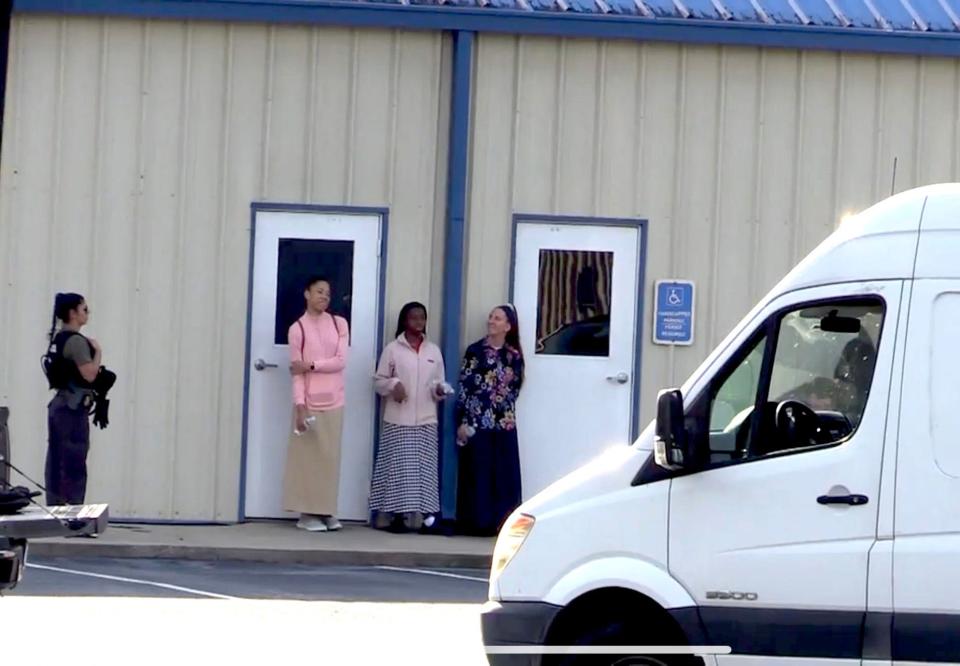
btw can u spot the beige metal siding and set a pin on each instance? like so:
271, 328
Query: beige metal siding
131, 154
742, 159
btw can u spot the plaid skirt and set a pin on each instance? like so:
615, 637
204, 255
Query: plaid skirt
405, 471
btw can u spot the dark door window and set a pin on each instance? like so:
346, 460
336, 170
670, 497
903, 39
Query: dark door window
573, 302
300, 259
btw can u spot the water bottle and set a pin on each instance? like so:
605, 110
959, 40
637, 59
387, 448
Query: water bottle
445, 388
309, 421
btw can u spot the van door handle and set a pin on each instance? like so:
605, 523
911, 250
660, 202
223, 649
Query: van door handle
852, 500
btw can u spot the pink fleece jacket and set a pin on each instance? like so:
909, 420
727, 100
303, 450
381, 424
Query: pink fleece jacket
325, 347
419, 371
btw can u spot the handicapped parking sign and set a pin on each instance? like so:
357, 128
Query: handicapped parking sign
673, 312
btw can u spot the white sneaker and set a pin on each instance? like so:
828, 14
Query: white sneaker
312, 524
332, 524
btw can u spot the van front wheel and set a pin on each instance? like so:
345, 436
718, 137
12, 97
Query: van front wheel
616, 632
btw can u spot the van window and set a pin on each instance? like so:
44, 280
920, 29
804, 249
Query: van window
944, 370
815, 390
732, 404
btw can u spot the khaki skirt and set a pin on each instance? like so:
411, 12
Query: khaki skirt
312, 475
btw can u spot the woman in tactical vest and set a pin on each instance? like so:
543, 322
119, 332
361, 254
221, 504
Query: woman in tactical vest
74, 367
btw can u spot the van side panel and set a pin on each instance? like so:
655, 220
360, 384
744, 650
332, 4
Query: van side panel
926, 564
939, 243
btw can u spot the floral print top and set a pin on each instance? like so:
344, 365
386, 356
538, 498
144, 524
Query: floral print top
490, 381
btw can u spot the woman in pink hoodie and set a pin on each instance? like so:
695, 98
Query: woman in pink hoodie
319, 342
411, 378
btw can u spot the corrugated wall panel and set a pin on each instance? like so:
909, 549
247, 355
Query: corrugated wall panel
132, 152
742, 159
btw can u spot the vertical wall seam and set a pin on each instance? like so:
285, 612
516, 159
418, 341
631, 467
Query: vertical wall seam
439, 178
312, 67
598, 127
267, 114
185, 161
841, 97
135, 300
880, 186
12, 226
351, 114
918, 111
518, 64
394, 93
756, 224
641, 128
98, 152
679, 147
715, 226
559, 125
56, 157
220, 301
797, 204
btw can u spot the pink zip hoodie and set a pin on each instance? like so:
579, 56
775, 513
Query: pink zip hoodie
326, 348
418, 371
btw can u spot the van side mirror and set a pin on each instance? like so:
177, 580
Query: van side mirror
670, 444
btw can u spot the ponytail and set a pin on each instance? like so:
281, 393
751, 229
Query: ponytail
53, 320
63, 304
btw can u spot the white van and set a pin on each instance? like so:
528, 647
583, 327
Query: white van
797, 500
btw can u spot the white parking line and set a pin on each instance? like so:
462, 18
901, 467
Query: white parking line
135, 581
441, 574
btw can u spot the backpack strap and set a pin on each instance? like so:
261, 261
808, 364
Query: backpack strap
303, 337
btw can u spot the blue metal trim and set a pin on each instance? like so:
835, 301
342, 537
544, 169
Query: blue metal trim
6, 9
454, 264
555, 23
267, 207
242, 503
638, 329
637, 223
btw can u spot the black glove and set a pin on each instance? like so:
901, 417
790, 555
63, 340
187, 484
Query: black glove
101, 406
101, 413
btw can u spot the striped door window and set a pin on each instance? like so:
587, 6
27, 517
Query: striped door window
573, 302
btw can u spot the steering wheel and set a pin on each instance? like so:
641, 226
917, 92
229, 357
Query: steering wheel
796, 422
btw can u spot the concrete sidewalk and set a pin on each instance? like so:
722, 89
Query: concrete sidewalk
275, 541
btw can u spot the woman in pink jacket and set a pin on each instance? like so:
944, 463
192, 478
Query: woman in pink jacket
411, 378
319, 343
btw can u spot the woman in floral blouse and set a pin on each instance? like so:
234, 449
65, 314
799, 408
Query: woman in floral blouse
491, 375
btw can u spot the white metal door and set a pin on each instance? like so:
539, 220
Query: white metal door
575, 290
290, 247
773, 542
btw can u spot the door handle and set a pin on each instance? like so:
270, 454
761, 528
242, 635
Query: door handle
852, 500
620, 378
262, 365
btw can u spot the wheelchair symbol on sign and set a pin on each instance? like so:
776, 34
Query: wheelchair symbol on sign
674, 297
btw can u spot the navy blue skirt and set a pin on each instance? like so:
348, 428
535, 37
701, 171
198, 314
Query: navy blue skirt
488, 485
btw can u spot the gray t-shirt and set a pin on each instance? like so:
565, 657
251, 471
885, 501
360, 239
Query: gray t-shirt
77, 349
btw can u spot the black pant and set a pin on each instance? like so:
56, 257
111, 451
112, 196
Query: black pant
67, 446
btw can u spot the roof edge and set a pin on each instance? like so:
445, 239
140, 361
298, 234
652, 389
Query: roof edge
425, 17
